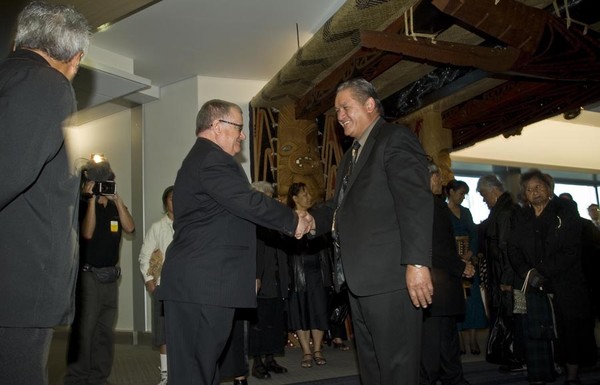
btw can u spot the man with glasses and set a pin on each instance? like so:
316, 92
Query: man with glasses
210, 267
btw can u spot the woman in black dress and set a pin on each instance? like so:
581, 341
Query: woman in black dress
545, 251
310, 276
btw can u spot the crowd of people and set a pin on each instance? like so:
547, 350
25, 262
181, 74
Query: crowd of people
231, 269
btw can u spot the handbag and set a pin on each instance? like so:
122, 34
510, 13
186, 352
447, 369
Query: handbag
541, 323
498, 349
519, 302
339, 308
519, 297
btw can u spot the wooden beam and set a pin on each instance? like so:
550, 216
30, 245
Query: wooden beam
511, 22
364, 63
511, 106
486, 59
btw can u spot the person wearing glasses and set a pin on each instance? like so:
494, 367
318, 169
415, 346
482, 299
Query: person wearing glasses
39, 193
210, 267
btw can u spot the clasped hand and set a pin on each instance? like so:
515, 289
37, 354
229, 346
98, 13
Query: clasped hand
306, 224
469, 270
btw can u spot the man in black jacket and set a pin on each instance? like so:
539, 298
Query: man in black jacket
440, 357
382, 223
38, 197
501, 275
210, 267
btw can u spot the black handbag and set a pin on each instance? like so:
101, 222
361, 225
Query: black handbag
339, 307
540, 316
499, 343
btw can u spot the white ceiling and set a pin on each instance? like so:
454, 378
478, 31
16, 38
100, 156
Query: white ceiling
243, 39
553, 143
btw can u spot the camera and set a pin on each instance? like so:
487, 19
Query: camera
107, 187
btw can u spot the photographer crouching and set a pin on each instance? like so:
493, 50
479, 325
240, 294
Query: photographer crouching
102, 218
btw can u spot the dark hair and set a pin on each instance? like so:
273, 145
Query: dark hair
456, 185
98, 172
536, 174
566, 195
165, 195
213, 110
294, 190
361, 90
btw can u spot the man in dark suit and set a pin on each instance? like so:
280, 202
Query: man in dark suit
210, 267
383, 227
39, 194
440, 356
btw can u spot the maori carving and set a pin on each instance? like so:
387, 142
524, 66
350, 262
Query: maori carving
286, 150
298, 157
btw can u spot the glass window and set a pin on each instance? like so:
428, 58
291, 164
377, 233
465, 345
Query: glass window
473, 201
583, 195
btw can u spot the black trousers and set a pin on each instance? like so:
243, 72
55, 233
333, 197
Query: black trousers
91, 341
440, 358
267, 329
387, 328
234, 360
24, 355
196, 338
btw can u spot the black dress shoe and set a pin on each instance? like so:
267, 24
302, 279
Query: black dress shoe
274, 367
240, 382
260, 371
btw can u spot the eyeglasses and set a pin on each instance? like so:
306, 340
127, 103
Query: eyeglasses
238, 126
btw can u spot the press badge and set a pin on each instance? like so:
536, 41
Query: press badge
114, 226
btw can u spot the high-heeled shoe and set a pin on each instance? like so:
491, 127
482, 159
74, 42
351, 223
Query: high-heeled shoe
306, 361
340, 345
319, 359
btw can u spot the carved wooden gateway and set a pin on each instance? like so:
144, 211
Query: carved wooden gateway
489, 67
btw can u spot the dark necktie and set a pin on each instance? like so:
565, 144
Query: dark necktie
342, 192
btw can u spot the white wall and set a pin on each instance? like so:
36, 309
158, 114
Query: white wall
169, 130
111, 136
169, 133
236, 91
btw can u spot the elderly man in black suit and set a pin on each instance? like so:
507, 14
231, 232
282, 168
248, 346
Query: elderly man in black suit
39, 193
210, 268
381, 218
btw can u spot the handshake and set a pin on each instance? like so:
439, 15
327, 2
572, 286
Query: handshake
306, 224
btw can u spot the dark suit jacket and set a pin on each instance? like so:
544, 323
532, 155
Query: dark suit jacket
558, 229
446, 274
385, 219
212, 259
38, 198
